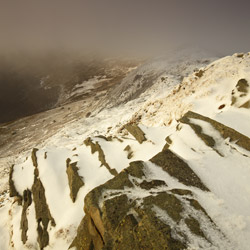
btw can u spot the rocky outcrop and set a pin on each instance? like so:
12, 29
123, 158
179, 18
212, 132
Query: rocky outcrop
225, 132
27, 200
43, 215
34, 158
240, 94
12, 189
157, 217
177, 168
135, 130
36, 195
129, 151
242, 86
207, 139
95, 147
135, 210
75, 181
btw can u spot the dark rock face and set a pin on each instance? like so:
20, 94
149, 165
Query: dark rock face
75, 181
177, 168
225, 132
242, 85
240, 91
129, 151
34, 158
152, 184
27, 200
37, 195
117, 219
12, 189
210, 142
95, 147
199, 73
43, 216
246, 105
86, 235
134, 130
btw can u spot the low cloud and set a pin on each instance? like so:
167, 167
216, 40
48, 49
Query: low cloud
140, 26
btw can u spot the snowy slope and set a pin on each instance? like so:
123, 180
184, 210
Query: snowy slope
219, 91
167, 70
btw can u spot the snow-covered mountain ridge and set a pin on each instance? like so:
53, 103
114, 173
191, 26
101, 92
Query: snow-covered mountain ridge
186, 187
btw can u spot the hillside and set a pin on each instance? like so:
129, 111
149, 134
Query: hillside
161, 162
33, 83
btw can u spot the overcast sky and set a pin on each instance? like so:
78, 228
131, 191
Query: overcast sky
125, 25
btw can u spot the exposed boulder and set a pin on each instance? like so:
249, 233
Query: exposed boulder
37, 195
129, 151
27, 200
34, 158
177, 168
240, 94
12, 189
109, 138
117, 219
86, 235
43, 215
134, 130
242, 86
209, 140
200, 73
75, 181
246, 105
95, 147
225, 132
152, 184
